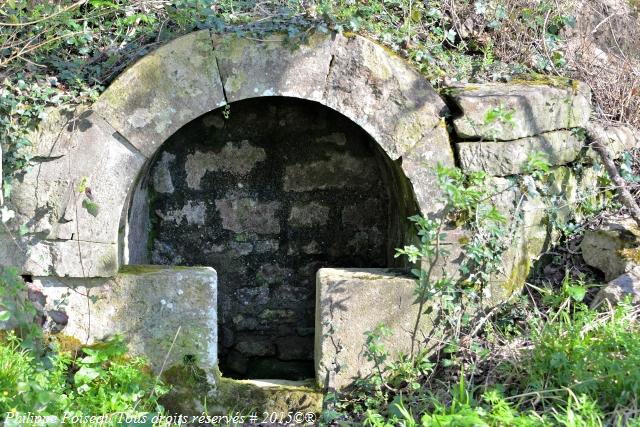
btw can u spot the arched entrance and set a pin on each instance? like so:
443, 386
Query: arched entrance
111, 145
267, 192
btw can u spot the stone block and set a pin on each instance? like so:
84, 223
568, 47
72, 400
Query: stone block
624, 286
86, 149
341, 170
613, 247
308, 214
501, 158
245, 215
395, 104
252, 68
535, 108
164, 90
351, 302
86, 152
620, 138
164, 313
236, 158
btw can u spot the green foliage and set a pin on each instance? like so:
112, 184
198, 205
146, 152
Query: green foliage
16, 312
105, 381
577, 369
592, 354
537, 164
497, 118
48, 380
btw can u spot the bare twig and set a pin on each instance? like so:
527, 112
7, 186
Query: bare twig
598, 139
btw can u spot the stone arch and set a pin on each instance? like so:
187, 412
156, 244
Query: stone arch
108, 144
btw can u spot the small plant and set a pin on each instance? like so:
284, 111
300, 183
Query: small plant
104, 381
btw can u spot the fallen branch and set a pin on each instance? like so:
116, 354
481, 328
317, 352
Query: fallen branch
599, 140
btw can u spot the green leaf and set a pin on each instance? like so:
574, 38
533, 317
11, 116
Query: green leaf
82, 187
91, 207
87, 374
577, 292
23, 229
4, 316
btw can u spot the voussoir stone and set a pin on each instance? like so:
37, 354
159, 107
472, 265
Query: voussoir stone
501, 158
164, 90
351, 302
536, 108
164, 313
72, 149
612, 248
252, 68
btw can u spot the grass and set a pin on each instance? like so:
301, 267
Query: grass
560, 364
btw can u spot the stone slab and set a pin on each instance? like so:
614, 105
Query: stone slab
163, 91
536, 108
619, 138
149, 306
502, 158
351, 302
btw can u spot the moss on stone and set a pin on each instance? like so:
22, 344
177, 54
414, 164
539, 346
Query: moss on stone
144, 268
146, 77
241, 395
191, 393
235, 82
518, 277
631, 254
535, 79
67, 344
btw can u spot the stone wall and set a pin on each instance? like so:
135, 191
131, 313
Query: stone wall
282, 188
279, 189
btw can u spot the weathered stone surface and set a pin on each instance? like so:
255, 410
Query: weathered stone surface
237, 159
251, 68
149, 306
86, 152
162, 181
249, 215
613, 248
351, 302
340, 171
624, 286
164, 90
73, 258
309, 215
500, 158
621, 138
193, 213
396, 105
536, 108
